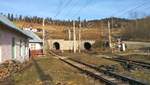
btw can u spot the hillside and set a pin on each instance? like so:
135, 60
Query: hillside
92, 29
61, 32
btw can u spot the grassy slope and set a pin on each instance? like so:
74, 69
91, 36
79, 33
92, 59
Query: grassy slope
61, 31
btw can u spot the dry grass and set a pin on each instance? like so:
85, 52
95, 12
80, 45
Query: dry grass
92, 59
60, 32
51, 71
95, 60
143, 74
138, 57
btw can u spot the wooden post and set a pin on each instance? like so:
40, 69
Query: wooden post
79, 37
43, 36
74, 37
69, 33
109, 35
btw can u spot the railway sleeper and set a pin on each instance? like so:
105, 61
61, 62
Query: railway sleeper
131, 81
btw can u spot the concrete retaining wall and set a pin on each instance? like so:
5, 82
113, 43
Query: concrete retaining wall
68, 44
137, 45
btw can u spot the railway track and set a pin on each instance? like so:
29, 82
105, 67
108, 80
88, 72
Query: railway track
93, 73
108, 77
133, 62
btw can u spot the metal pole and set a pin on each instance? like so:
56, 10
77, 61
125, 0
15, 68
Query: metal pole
74, 37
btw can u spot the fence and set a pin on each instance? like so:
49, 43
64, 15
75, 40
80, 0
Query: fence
34, 53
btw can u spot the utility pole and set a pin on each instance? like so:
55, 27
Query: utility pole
74, 37
79, 36
102, 28
109, 35
43, 36
112, 22
112, 26
69, 33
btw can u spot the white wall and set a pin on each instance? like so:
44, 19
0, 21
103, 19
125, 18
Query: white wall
6, 46
0, 49
68, 44
0, 54
35, 46
136, 45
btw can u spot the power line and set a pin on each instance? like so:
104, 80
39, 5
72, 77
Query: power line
72, 7
82, 8
64, 6
126, 11
121, 10
58, 8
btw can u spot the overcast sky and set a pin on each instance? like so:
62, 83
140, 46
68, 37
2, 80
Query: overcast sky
72, 9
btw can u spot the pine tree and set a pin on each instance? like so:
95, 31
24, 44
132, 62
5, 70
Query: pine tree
9, 16
12, 17
20, 17
1, 13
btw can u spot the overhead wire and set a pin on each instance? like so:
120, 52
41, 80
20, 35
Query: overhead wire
72, 8
129, 10
58, 8
82, 8
87, 3
62, 8
120, 13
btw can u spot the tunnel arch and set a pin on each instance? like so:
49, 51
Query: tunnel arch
87, 46
56, 45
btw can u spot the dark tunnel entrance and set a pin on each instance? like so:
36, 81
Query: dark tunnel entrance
87, 46
56, 45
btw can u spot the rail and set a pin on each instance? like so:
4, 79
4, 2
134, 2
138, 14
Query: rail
134, 62
116, 75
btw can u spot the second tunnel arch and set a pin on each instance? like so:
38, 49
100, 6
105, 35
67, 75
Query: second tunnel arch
87, 46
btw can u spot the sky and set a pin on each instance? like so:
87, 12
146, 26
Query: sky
72, 9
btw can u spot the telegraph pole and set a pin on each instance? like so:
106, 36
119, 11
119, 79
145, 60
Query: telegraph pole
112, 23
79, 36
43, 36
74, 37
69, 33
109, 35
112, 26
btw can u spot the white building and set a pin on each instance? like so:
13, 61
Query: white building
31, 29
35, 44
13, 42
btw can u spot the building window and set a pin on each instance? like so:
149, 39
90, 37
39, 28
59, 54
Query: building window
33, 47
26, 48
